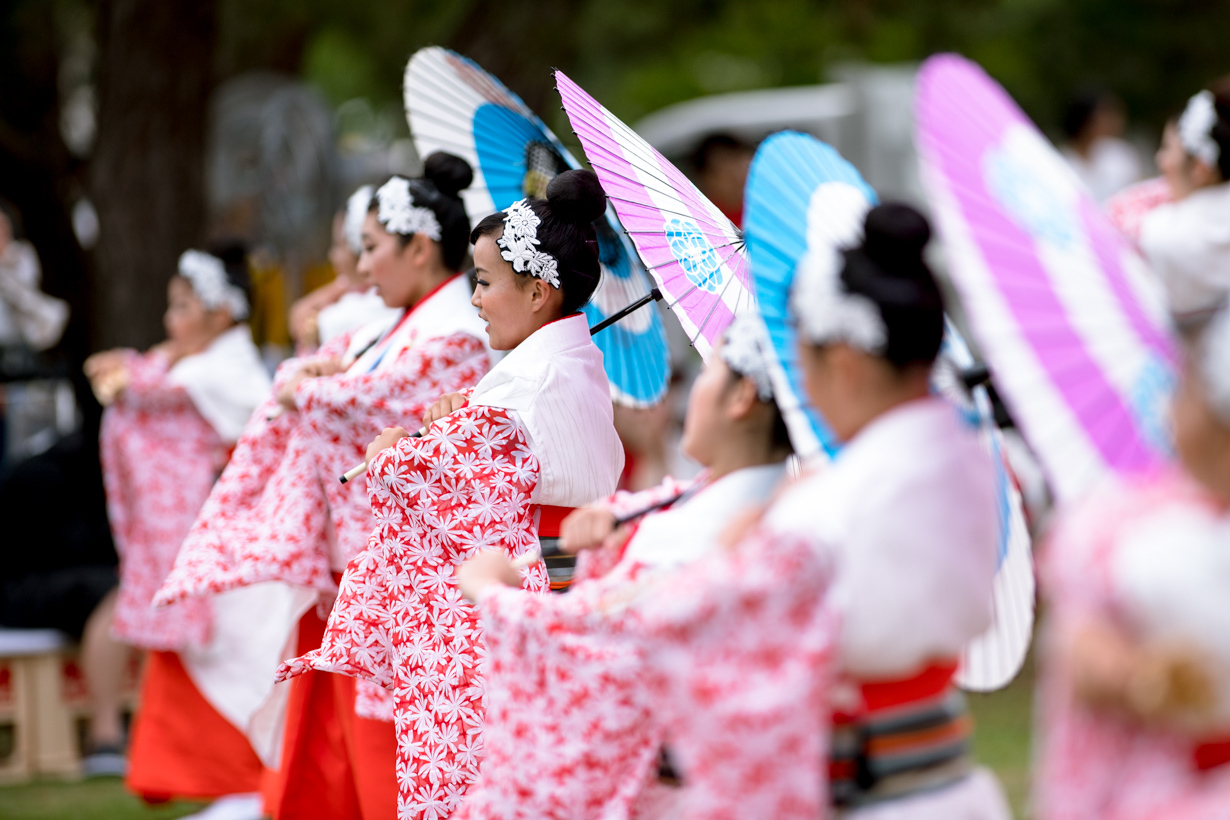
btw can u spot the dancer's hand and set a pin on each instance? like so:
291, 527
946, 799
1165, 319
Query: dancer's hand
589, 528
316, 369
388, 438
484, 569
448, 403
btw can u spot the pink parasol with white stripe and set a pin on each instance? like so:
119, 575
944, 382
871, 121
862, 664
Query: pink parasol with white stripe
694, 252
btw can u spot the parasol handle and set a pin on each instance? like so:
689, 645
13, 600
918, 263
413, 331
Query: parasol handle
361, 468
654, 295
974, 375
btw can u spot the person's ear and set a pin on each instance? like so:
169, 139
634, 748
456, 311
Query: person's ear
741, 399
540, 294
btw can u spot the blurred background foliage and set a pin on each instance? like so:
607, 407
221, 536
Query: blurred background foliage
640, 55
102, 101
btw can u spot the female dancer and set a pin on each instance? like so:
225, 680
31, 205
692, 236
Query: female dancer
496, 468
175, 413
571, 730
850, 601
280, 514
1135, 687
1187, 241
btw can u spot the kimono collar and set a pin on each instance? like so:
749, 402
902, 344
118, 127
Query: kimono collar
555, 386
225, 382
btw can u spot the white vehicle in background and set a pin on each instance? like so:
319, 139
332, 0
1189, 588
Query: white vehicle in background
867, 115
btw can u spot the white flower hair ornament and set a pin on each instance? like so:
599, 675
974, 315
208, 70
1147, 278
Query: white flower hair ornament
1215, 363
519, 244
398, 214
356, 212
1196, 128
207, 275
745, 349
826, 313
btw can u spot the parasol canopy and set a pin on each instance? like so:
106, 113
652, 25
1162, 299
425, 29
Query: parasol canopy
453, 105
693, 251
1074, 328
801, 196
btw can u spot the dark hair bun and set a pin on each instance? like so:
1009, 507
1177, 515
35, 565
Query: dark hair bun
449, 173
894, 238
576, 197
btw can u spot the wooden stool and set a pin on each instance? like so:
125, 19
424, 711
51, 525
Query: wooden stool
37, 735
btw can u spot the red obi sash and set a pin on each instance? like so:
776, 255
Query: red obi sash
560, 567
902, 729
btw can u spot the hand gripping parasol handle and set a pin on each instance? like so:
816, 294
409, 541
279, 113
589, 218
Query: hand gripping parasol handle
654, 295
361, 468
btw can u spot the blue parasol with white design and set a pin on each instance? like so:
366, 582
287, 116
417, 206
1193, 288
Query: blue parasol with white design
453, 105
801, 195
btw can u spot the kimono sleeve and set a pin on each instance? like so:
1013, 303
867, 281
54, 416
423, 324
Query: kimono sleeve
741, 648
418, 378
333, 349
148, 389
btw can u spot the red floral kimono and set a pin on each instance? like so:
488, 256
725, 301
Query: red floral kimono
537, 432
576, 718
1110, 559
279, 513
163, 443
158, 420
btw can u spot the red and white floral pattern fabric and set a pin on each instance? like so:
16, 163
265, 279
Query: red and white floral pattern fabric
400, 619
1095, 763
726, 661
279, 511
152, 424
1128, 208
742, 645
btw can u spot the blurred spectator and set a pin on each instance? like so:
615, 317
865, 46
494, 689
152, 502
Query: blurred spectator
1093, 125
721, 162
28, 317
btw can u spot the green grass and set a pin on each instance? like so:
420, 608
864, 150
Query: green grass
1002, 729
1001, 741
101, 799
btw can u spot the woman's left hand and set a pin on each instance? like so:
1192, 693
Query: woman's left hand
387, 438
316, 369
483, 570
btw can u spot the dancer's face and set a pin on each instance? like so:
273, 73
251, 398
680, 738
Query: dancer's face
719, 404
187, 321
512, 305
1183, 172
401, 274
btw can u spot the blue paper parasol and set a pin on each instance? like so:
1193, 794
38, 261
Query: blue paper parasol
801, 193
453, 105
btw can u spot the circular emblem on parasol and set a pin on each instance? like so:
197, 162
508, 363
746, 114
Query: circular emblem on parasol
695, 254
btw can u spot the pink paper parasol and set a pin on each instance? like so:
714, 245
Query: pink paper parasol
693, 251
1069, 319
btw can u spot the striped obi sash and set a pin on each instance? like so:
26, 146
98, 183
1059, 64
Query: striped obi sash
905, 736
560, 566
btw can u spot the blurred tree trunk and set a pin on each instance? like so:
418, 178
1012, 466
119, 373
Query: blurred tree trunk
155, 74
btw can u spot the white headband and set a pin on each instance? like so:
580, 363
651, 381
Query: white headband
207, 275
1215, 363
826, 312
356, 212
745, 349
398, 214
519, 244
1196, 128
